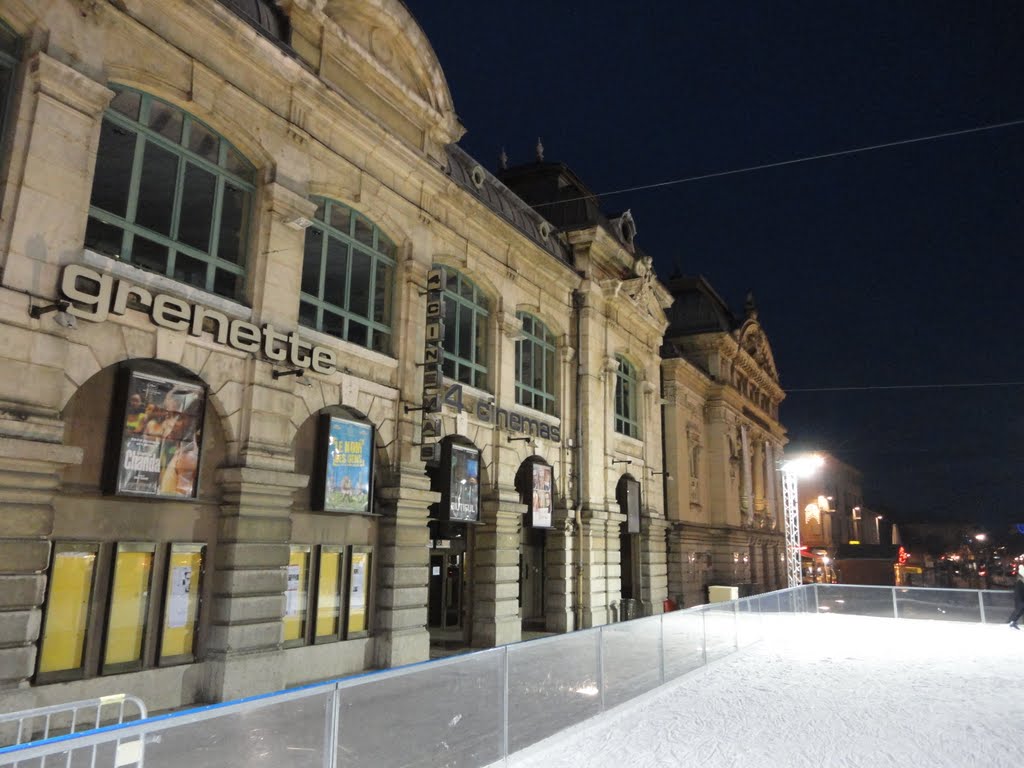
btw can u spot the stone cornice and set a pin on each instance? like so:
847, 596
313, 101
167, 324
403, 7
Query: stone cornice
68, 86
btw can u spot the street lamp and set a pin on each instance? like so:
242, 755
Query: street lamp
801, 466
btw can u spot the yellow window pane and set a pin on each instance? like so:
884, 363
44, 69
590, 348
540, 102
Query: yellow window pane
129, 601
67, 611
359, 576
328, 594
181, 602
296, 595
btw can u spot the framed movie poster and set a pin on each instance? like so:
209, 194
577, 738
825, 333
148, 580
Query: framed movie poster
358, 609
158, 438
632, 491
461, 494
346, 478
540, 502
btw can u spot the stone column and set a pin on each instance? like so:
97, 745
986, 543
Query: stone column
769, 484
403, 560
759, 477
243, 650
496, 618
29, 478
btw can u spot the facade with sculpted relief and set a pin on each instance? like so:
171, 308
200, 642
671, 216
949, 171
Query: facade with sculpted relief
290, 386
723, 445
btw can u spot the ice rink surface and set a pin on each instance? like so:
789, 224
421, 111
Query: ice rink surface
824, 692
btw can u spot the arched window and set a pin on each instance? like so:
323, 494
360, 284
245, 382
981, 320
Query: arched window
627, 419
9, 49
170, 195
535, 366
348, 271
465, 330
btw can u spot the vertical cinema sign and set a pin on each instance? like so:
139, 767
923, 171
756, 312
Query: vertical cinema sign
433, 356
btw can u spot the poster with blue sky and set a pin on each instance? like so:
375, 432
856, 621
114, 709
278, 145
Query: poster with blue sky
347, 483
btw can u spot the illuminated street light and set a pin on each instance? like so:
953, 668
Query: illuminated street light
980, 537
801, 466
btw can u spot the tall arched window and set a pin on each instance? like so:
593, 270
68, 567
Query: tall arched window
465, 330
627, 419
348, 271
9, 48
535, 365
170, 195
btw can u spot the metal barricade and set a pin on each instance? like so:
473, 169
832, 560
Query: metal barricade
73, 717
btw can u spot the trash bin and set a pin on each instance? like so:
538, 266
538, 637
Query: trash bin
718, 594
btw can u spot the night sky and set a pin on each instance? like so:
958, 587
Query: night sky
892, 267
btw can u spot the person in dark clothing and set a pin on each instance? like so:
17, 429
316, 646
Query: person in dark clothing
1018, 597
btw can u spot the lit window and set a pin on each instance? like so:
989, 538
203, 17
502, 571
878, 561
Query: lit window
465, 330
170, 195
348, 272
627, 420
535, 366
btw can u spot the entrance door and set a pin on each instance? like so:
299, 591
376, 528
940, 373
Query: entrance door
445, 598
531, 579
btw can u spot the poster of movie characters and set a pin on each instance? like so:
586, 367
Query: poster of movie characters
162, 435
541, 506
464, 492
347, 481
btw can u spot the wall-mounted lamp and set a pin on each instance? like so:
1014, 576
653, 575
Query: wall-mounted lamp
63, 318
665, 472
622, 461
298, 373
528, 439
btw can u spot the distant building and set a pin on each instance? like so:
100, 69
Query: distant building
723, 443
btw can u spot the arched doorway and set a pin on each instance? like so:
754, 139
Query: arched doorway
456, 476
627, 493
535, 484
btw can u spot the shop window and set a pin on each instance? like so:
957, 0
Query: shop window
170, 195
627, 421
535, 366
330, 584
9, 51
101, 609
467, 310
348, 273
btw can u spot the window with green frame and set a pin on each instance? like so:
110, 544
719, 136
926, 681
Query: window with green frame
465, 330
348, 273
535, 366
170, 195
10, 46
627, 419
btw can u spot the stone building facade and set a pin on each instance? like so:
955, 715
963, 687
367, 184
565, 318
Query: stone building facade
723, 445
290, 386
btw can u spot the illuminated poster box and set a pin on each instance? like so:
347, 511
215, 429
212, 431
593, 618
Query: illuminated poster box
157, 440
540, 495
345, 471
460, 495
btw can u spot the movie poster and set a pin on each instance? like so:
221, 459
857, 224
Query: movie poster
161, 438
540, 507
347, 478
464, 485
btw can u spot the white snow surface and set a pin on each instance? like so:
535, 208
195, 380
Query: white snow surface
822, 691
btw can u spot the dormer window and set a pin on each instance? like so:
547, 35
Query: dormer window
264, 15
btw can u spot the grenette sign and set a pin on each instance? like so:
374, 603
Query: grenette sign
96, 296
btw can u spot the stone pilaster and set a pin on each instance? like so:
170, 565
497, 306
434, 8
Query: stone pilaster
51, 198
496, 617
403, 561
601, 562
653, 564
250, 577
29, 479
560, 574
747, 488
